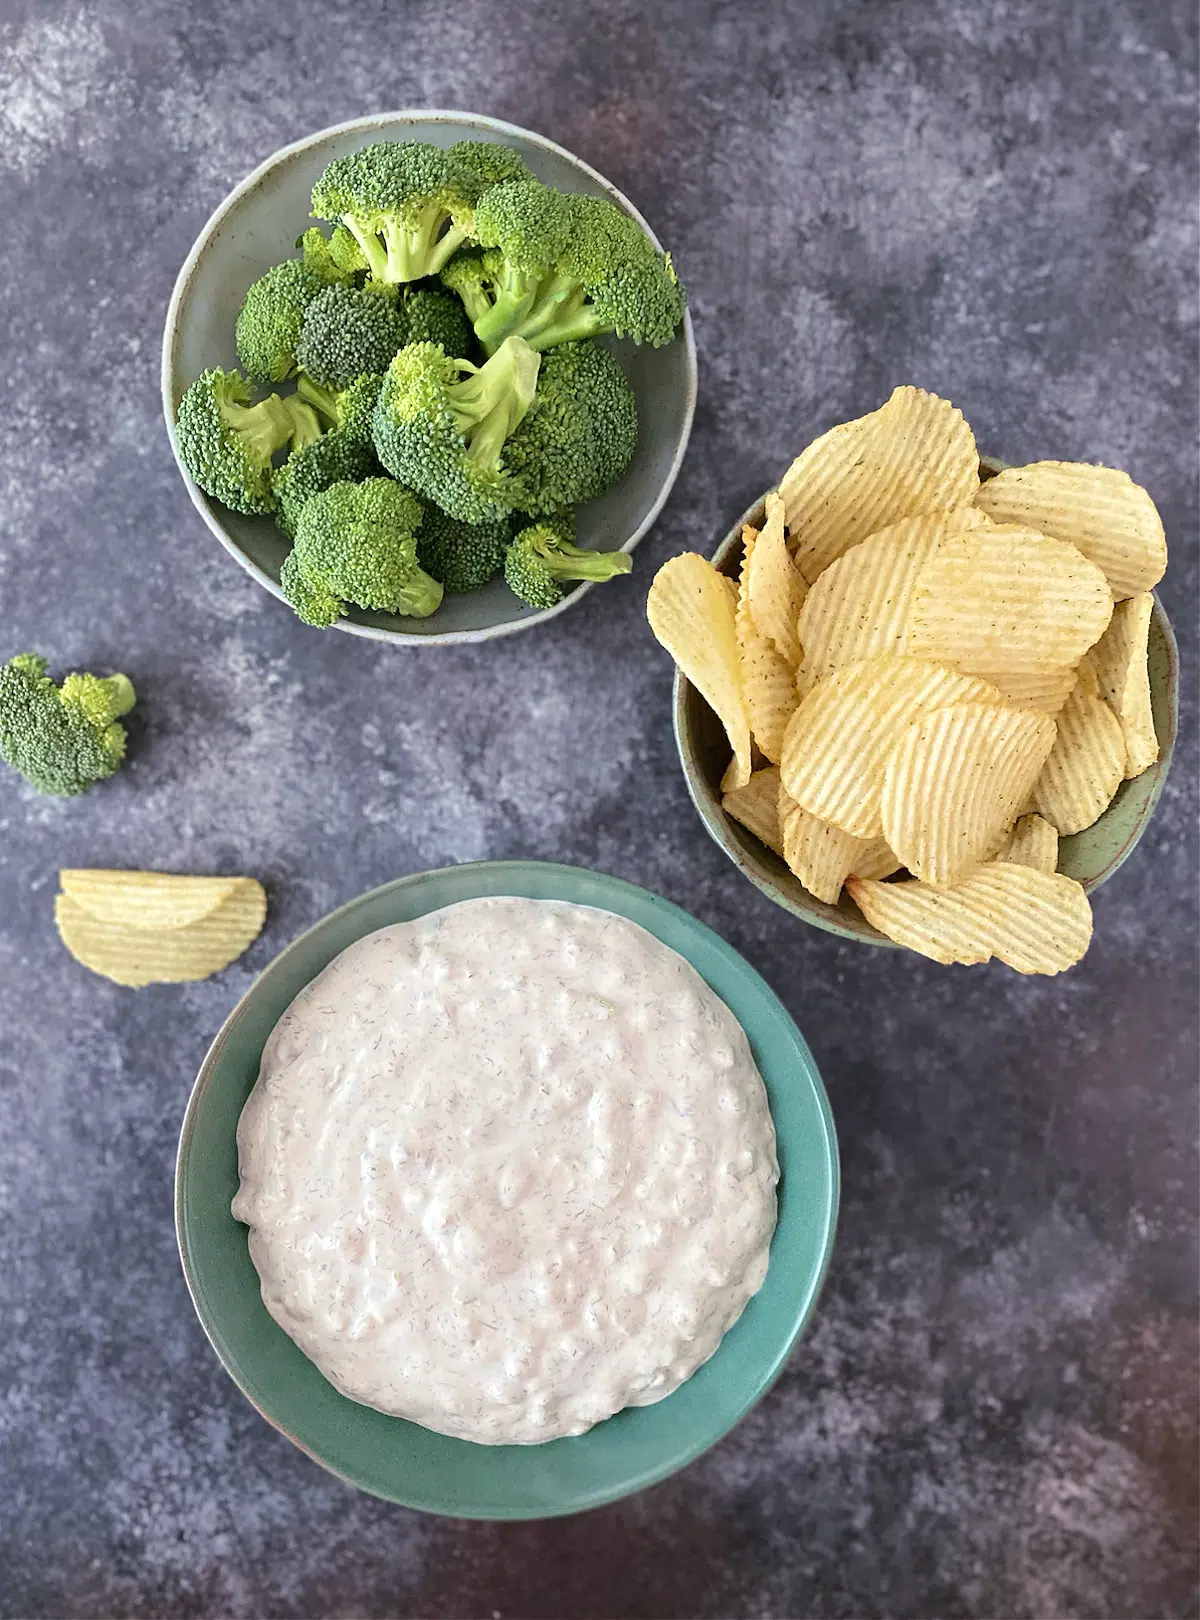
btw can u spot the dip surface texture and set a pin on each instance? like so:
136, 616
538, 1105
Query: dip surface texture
508, 1169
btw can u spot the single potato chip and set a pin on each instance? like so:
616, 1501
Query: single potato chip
956, 780
1085, 766
838, 741
1036, 922
1111, 519
768, 682
859, 605
155, 900
1006, 601
915, 454
775, 586
821, 856
874, 859
756, 806
1032, 842
139, 956
1122, 678
692, 611
1045, 689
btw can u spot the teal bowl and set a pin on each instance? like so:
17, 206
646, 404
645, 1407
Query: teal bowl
1091, 856
257, 226
401, 1461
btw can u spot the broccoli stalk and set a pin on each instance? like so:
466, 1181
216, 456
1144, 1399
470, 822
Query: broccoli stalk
356, 543
542, 559
62, 740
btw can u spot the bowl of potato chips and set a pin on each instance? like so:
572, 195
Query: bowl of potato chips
925, 699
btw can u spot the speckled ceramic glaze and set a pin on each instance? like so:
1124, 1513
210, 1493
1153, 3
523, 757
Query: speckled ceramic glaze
400, 1460
1091, 856
257, 226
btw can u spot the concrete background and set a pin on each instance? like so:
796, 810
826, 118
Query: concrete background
995, 1414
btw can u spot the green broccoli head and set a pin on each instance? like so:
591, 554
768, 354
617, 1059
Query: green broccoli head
62, 740
346, 333
271, 319
226, 441
356, 543
471, 274
317, 256
336, 458
541, 560
407, 204
580, 433
490, 162
435, 316
463, 556
441, 425
558, 267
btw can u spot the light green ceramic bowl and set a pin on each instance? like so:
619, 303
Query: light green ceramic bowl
1091, 856
257, 226
412, 1465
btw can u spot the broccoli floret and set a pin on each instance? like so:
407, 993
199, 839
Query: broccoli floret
441, 424
541, 560
226, 442
434, 316
343, 454
317, 255
61, 739
580, 433
408, 205
490, 162
462, 556
556, 267
356, 543
346, 333
470, 274
355, 408
271, 319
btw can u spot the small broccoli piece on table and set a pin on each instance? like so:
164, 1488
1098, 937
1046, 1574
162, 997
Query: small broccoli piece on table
490, 162
541, 560
271, 319
434, 316
226, 441
346, 333
441, 424
555, 267
580, 433
407, 204
463, 556
62, 740
356, 543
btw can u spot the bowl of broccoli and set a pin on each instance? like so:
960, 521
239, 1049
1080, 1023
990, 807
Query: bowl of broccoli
428, 376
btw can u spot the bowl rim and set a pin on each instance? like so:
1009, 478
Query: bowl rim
168, 370
708, 805
806, 1305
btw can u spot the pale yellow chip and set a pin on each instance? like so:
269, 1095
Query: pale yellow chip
1085, 766
1122, 677
1036, 922
768, 681
915, 454
821, 856
1102, 511
756, 806
146, 899
956, 780
1005, 601
1045, 689
1032, 842
692, 611
874, 859
775, 586
140, 956
1085, 670
859, 605
838, 741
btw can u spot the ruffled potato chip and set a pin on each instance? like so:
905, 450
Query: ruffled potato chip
914, 454
821, 856
756, 806
997, 602
692, 611
874, 859
154, 900
775, 586
1085, 766
1122, 679
1044, 689
838, 741
768, 681
1036, 922
956, 780
137, 956
1032, 842
1111, 519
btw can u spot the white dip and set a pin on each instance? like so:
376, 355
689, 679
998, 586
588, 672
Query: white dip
508, 1169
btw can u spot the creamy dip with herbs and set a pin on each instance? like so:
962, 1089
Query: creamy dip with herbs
508, 1169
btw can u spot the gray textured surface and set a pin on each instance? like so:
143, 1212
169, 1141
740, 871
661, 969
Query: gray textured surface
995, 1415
